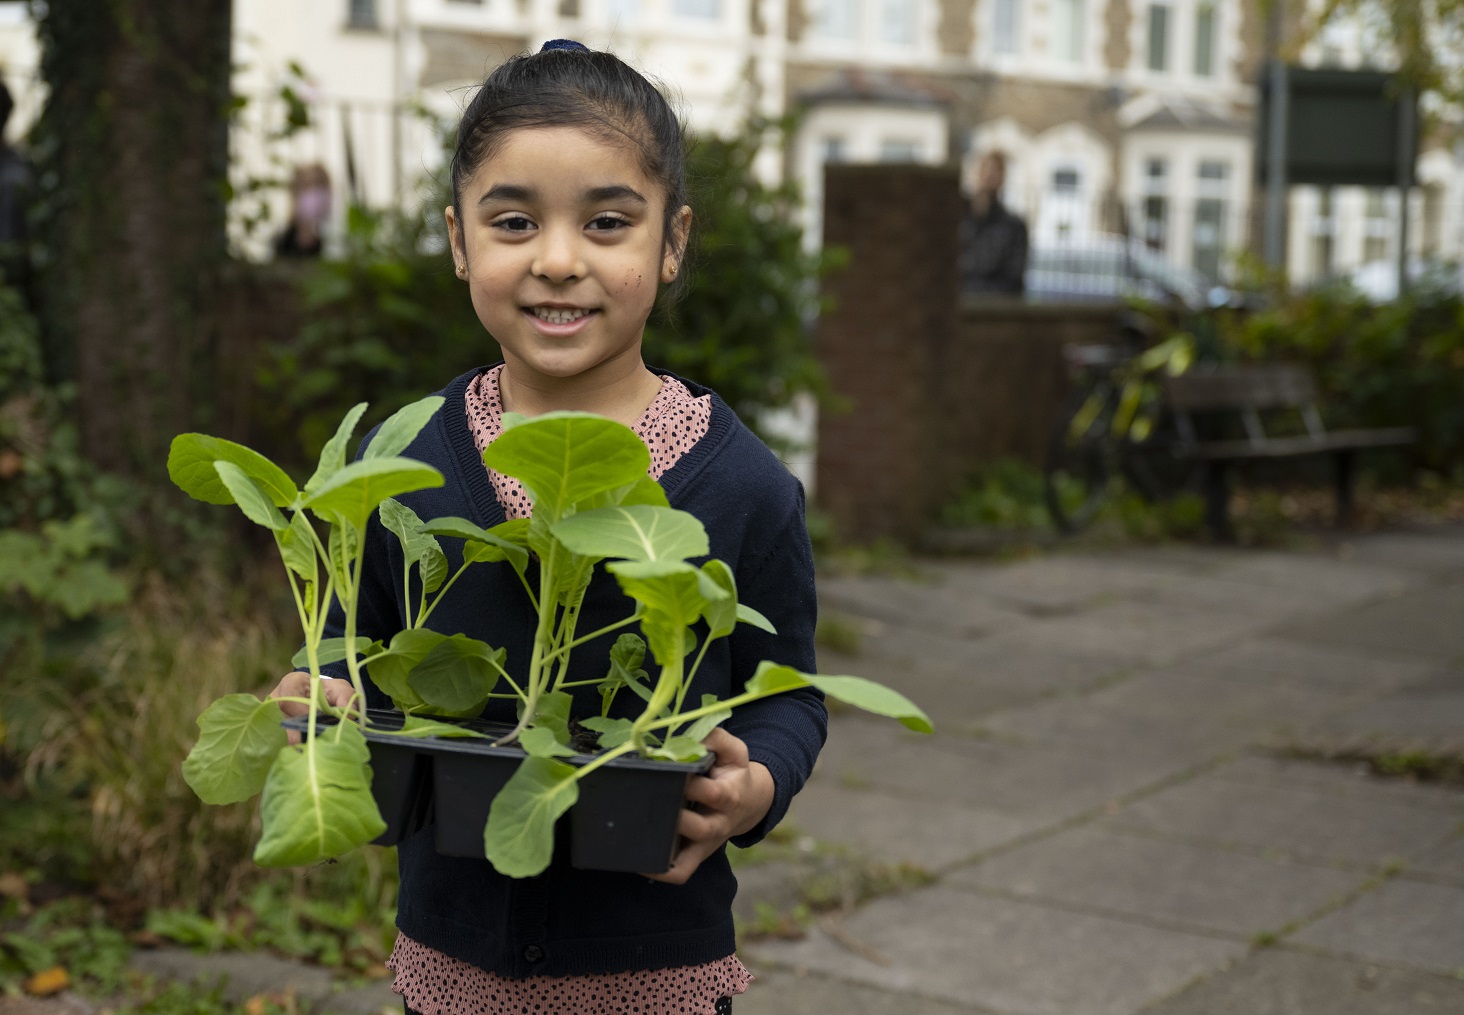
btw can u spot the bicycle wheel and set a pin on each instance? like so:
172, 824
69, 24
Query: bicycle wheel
1082, 459
1151, 466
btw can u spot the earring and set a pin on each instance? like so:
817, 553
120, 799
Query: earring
462, 269
673, 269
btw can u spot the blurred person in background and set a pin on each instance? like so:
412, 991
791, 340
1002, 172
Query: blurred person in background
309, 211
993, 257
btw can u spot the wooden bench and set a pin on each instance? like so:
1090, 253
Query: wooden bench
1208, 394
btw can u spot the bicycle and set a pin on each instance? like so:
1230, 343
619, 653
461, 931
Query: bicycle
1116, 427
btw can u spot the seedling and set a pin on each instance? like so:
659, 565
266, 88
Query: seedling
593, 503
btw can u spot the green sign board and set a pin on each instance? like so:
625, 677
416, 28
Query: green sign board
1341, 128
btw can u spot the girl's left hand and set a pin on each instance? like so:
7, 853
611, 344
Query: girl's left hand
731, 799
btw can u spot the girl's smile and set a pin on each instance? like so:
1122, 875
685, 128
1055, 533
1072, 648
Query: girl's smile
562, 238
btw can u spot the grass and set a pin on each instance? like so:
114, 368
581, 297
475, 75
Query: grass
839, 633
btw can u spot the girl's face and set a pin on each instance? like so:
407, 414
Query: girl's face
561, 235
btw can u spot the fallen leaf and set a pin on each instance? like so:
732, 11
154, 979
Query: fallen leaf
13, 885
48, 981
255, 1005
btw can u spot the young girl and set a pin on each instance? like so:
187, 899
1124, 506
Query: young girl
569, 211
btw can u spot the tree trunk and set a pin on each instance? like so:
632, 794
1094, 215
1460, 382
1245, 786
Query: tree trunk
132, 157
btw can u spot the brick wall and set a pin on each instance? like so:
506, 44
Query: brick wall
931, 386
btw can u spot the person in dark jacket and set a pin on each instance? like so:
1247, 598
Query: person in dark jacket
993, 257
569, 215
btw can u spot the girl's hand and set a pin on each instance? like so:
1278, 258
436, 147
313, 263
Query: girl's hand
733, 797
297, 685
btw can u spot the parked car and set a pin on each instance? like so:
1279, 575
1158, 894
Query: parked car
1109, 267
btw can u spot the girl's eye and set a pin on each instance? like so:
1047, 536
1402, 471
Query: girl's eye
514, 223
606, 223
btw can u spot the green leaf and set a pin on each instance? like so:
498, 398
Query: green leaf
670, 596
333, 455
191, 466
317, 801
457, 675
519, 837
772, 678
343, 548
552, 713
719, 586
644, 490
566, 457
418, 726
250, 497
613, 732
702, 728
402, 427
747, 615
484, 545
239, 737
333, 650
356, 489
542, 743
417, 545
680, 748
638, 532
390, 672
626, 658
297, 548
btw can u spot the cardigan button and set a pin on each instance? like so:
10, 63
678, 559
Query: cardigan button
533, 953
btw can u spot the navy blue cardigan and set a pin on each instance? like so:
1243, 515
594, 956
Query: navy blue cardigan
567, 921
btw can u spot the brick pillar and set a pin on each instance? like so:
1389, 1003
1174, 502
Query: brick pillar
880, 469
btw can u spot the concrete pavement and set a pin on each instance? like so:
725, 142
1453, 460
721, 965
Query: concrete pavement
1112, 817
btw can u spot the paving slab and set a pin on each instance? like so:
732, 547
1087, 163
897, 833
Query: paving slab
1005, 956
1424, 622
1445, 863
777, 992
1424, 715
1221, 594
1295, 821
1175, 884
1416, 923
917, 605
1437, 550
1269, 659
966, 679
245, 974
1046, 783
1330, 580
1280, 981
1349, 780
893, 827
1171, 705
1062, 584
1139, 634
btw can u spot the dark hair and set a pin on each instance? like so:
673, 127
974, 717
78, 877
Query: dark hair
567, 85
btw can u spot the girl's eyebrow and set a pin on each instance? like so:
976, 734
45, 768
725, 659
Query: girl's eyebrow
514, 193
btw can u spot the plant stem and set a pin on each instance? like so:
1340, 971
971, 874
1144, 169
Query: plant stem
666, 688
566, 649
686, 684
423, 614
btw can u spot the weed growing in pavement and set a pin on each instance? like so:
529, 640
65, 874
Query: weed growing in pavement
839, 633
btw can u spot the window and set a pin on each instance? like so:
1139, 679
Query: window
837, 19
1159, 37
1323, 228
1210, 211
1154, 209
1065, 181
1375, 228
1004, 27
361, 14
899, 150
703, 10
899, 22
1205, 40
1067, 30
833, 148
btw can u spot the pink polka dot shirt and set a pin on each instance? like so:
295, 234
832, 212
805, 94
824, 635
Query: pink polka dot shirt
436, 984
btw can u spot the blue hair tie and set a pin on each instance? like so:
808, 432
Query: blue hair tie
570, 44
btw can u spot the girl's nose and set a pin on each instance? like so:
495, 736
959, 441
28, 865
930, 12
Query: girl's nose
557, 257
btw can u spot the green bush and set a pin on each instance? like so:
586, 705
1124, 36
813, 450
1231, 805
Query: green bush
1389, 364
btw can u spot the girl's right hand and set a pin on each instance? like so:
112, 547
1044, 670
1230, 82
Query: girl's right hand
296, 684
